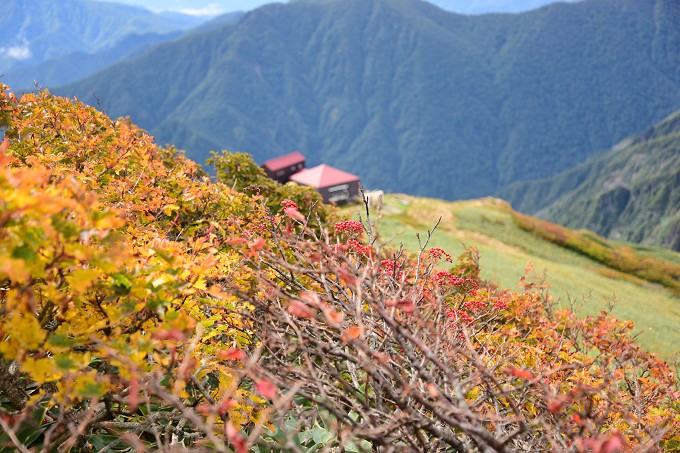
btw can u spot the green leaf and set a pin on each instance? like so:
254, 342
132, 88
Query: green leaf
27, 432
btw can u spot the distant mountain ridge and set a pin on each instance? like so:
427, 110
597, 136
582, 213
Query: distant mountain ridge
631, 192
410, 97
34, 31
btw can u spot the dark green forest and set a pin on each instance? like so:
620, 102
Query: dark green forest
397, 89
629, 193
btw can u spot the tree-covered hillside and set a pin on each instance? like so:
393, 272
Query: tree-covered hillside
408, 96
631, 192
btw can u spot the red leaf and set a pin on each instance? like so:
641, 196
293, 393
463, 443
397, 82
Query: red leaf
4, 146
257, 244
522, 374
225, 406
294, 214
613, 443
556, 404
133, 393
346, 277
231, 354
311, 298
203, 409
266, 389
334, 318
403, 304
381, 358
300, 309
172, 334
235, 438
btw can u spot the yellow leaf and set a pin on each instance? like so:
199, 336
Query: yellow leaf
40, 370
200, 283
161, 280
82, 279
169, 209
26, 330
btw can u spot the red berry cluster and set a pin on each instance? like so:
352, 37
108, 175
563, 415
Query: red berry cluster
350, 227
438, 254
289, 204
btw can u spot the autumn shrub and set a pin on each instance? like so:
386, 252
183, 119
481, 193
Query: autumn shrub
144, 307
620, 257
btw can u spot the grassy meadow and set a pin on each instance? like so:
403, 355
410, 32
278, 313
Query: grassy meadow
506, 250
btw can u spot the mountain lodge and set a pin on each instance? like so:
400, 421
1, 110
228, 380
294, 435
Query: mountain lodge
334, 185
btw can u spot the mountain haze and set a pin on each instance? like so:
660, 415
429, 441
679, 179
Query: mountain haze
408, 96
491, 6
33, 31
78, 65
631, 192
459, 6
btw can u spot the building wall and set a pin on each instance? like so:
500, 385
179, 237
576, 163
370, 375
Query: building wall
340, 193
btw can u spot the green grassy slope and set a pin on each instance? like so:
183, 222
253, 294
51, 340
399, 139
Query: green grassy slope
506, 249
629, 193
394, 90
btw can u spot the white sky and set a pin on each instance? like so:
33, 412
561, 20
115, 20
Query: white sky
197, 7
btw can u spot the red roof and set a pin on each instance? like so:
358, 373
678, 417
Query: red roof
281, 162
323, 176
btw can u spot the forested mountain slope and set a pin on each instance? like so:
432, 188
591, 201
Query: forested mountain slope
408, 96
630, 193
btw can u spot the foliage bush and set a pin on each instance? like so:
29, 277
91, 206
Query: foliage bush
620, 258
144, 307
